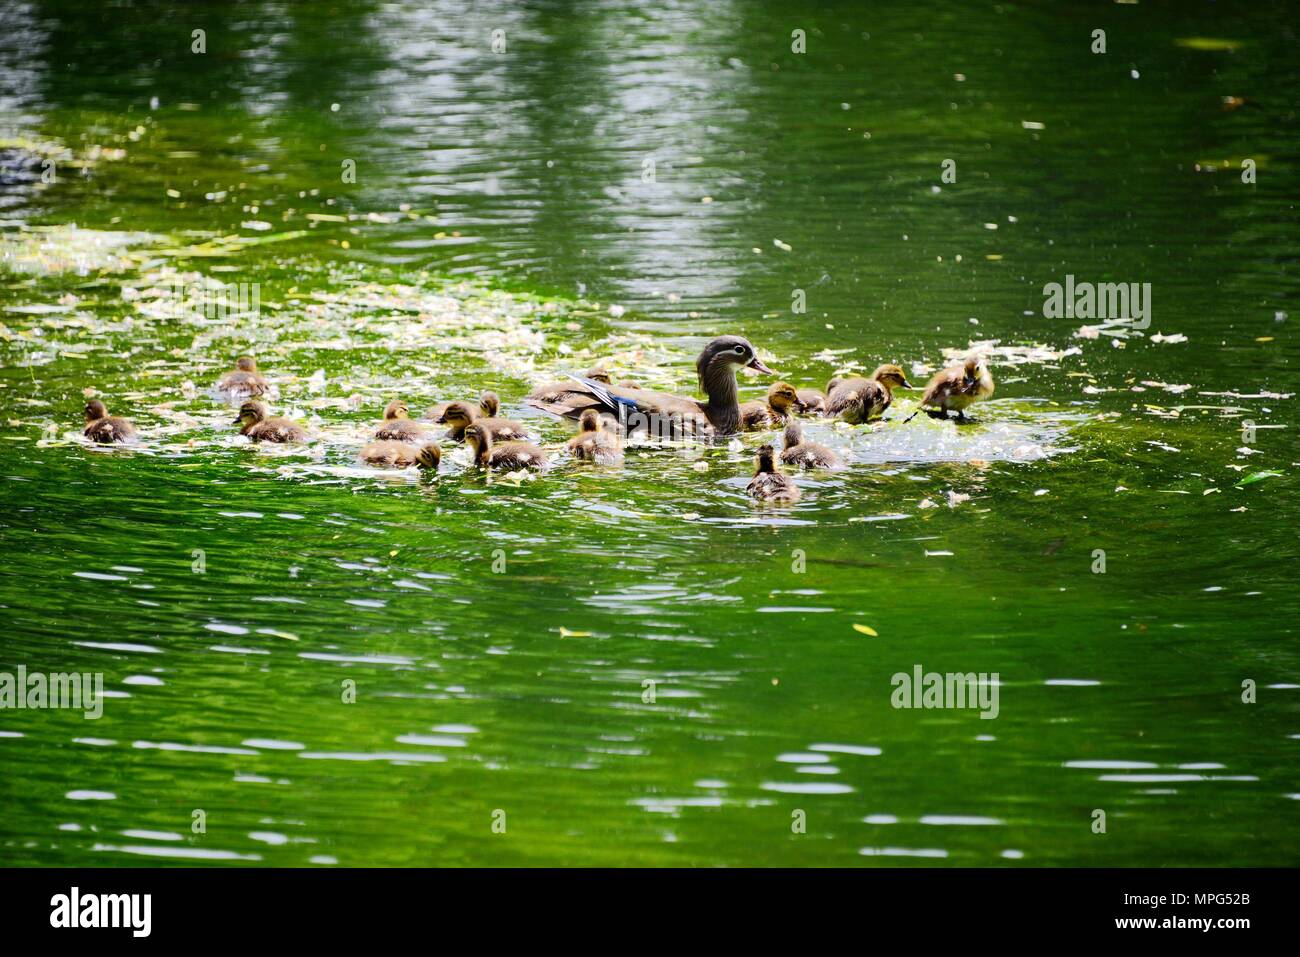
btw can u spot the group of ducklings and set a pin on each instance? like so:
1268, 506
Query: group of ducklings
604, 411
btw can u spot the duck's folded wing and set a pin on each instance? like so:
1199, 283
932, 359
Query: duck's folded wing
572, 399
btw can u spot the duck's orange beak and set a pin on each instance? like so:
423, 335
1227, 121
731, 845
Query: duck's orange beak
757, 364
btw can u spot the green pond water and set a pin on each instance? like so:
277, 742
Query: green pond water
637, 665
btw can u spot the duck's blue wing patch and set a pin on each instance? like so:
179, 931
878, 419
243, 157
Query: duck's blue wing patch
610, 400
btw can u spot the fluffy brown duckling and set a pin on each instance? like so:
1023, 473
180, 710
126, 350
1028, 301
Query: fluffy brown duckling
244, 379
459, 415
258, 426
104, 428
595, 443
812, 401
505, 456
807, 455
398, 424
860, 400
768, 484
488, 404
956, 388
664, 412
389, 454
782, 398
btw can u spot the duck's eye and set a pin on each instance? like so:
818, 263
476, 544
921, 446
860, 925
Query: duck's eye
739, 350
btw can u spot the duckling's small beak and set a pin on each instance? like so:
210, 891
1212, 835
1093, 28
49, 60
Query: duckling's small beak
907, 385
757, 364
239, 420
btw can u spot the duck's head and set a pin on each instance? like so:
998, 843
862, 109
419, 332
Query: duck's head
597, 374
95, 410
891, 376
727, 353
458, 414
396, 410
765, 460
429, 456
793, 434
479, 441
783, 396
250, 413
589, 421
246, 364
490, 404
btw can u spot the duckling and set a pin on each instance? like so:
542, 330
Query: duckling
488, 404
768, 484
505, 457
390, 454
781, 398
595, 443
956, 388
808, 455
259, 427
104, 428
812, 401
860, 400
398, 425
244, 379
460, 415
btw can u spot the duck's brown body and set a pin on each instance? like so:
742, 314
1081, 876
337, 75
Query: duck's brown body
662, 413
244, 380
812, 401
860, 400
505, 456
775, 412
398, 425
401, 455
956, 388
104, 428
260, 427
594, 443
458, 416
768, 484
807, 455
389, 454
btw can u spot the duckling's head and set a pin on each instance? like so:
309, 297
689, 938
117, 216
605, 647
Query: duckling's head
974, 369
891, 376
246, 364
95, 410
490, 403
783, 396
597, 374
479, 441
589, 421
429, 456
396, 410
793, 434
458, 414
765, 460
250, 413
727, 353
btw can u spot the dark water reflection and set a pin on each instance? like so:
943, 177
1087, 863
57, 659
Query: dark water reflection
641, 178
